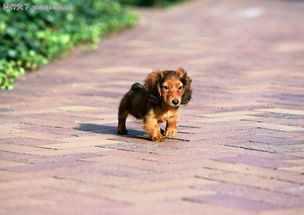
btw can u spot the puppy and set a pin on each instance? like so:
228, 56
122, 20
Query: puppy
156, 101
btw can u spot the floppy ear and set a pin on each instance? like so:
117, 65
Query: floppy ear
152, 85
187, 85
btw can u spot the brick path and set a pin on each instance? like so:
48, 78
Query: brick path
240, 146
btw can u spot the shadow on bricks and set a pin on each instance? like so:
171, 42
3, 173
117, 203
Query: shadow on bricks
110, 129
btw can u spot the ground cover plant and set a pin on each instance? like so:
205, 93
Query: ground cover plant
31, 37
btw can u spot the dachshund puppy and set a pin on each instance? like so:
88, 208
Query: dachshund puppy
156, 101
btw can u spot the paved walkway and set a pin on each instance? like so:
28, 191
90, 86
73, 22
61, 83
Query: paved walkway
240, 146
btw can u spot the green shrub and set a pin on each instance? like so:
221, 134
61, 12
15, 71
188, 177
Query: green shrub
29, 38
145, 3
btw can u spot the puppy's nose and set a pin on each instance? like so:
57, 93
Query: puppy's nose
175, 102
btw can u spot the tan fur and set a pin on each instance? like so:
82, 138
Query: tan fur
155, 102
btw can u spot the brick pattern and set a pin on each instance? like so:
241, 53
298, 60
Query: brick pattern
240, 146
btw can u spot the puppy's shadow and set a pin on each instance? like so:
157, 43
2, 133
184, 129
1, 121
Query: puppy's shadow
110, 129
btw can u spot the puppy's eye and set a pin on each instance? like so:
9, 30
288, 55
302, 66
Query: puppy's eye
180, 87
166, 87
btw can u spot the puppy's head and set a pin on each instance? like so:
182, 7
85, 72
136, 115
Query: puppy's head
171, 87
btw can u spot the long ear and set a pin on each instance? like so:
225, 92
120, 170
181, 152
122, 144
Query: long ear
152, 85
187, 85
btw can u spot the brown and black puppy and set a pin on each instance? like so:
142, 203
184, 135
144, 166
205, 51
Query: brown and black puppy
155, 102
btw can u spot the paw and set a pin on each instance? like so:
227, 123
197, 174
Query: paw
121, 131
171, 132
158, 138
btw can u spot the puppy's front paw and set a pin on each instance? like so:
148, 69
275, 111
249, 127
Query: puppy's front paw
158, 138
171, 132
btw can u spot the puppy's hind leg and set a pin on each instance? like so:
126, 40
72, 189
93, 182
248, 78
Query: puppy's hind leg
122, 117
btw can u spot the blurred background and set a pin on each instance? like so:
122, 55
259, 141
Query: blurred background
32, 34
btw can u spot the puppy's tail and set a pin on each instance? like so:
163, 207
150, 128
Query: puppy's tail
137, 87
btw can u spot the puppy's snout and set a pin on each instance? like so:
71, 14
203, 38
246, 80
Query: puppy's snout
175, 102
